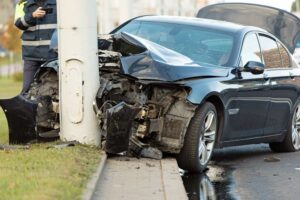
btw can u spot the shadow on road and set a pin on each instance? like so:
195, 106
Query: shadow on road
236, 154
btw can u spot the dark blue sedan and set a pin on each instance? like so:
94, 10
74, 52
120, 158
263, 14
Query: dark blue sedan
188, 85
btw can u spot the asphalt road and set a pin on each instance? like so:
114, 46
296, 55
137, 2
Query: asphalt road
258, 173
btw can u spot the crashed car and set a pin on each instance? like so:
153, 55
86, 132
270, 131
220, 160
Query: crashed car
194, 85
183, 86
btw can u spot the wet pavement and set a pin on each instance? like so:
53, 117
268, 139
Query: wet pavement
216, 183
247, 172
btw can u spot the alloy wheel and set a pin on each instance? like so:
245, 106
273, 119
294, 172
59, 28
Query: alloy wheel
207, 140
296, 128
207, 190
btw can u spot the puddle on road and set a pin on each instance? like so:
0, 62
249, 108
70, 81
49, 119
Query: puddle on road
215, 184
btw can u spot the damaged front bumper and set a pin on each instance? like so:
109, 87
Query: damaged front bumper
136, 115
35, 115
20, 114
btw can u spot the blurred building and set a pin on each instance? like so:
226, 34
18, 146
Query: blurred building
112, 13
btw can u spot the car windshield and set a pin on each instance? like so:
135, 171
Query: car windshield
202, 45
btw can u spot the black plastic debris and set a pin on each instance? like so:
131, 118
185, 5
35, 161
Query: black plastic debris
20, 114
50, 134
65, 145
119, 120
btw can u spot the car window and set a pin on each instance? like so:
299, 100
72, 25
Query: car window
250, 50
284, 56
270, 52
201, 45
132, 28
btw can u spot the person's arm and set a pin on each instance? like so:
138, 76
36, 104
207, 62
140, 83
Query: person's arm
25, 20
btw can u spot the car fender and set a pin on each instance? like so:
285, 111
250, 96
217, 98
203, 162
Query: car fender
49, 65
204, 88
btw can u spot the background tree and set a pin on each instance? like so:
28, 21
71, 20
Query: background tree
10, 38
295, 7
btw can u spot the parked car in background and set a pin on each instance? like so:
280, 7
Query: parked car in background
183, 86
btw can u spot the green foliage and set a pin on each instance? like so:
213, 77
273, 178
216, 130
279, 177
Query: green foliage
294, 6
10, 39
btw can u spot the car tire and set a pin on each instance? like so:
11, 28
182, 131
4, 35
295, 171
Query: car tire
291, 142
199, 139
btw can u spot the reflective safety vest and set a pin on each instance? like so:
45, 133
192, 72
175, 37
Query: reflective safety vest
36, 32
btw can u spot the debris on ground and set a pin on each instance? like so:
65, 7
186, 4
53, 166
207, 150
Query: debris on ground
272, 159
149, 164
50, 134
63, 145
12, 147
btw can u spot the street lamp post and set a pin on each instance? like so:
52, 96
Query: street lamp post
79, 75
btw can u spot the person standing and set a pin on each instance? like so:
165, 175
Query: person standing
38, 20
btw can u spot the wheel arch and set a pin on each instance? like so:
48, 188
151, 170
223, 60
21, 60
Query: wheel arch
218, 103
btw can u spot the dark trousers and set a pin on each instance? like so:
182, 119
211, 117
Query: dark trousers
29, 70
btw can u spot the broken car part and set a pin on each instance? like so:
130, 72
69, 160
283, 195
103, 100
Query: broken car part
35, 115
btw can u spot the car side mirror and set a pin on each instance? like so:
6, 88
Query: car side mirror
254, 67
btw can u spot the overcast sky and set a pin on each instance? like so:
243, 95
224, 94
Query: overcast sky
283, 4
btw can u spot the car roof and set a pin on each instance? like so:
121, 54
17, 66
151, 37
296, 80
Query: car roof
207, 23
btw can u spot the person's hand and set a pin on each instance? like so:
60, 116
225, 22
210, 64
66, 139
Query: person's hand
38, 13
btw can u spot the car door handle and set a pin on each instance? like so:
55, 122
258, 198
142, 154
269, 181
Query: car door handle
292, 75
266, 77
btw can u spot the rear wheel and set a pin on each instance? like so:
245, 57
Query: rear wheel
291, 142
200, 139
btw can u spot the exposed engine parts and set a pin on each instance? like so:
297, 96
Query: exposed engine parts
142, 118
44, 91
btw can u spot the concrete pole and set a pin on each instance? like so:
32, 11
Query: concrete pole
79, 76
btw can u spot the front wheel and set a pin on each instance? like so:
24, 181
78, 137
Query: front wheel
291, 143
200, 139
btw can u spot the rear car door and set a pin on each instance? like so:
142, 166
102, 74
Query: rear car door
247, 120
283, 80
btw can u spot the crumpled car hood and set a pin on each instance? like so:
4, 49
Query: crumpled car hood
160, 63
280, 23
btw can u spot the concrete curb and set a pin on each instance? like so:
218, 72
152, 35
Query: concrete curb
91, 186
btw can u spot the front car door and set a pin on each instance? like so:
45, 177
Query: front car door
247, 120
